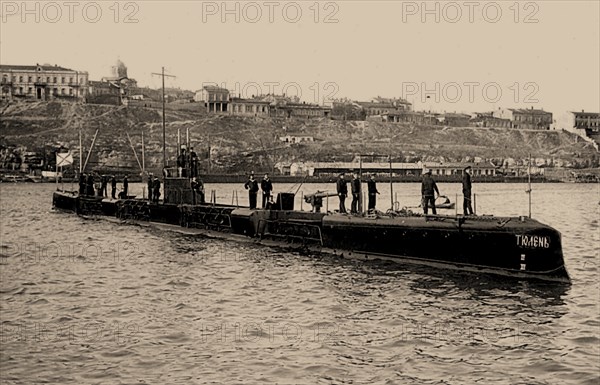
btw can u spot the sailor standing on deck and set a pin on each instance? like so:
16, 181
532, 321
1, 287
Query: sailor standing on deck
356, 191
113, 186
466, 188
149, 185
181, 160
156, 189
82, 182
266, 186
197, 190
372, 188
125, 187
193, 162
103, 188
90, 185
428, 187
252, 186
342, 191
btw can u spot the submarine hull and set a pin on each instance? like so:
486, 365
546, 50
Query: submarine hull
511, 246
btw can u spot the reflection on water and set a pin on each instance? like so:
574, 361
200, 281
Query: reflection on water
91, 301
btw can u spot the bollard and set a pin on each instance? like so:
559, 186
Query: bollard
456, 205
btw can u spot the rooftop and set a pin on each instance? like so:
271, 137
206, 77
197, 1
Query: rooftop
583, 113
212, 88
530, 111
45, 67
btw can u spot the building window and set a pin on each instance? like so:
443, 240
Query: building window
62, 91
21, 90
48, 79
55, 91
29, 79
30, 90
70, 80
62, 80
54, 79
71, 91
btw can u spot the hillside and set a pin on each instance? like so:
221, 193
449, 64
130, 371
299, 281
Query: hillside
242, 143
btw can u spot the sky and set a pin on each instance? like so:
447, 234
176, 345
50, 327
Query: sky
459, 56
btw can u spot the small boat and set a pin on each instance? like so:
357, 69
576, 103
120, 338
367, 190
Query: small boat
443, 202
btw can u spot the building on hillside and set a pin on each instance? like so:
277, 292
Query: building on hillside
450, 168
415, 117
487, 120
249, 107
118, 75
453, 119
300, 110
215, 99
104, 93
382, 106
333, 169
296, 138
115, 89
42, 82
525, 119
584, 124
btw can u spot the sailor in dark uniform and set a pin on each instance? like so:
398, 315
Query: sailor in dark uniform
125, 187
113, 186
428, 190
181, 160
266, 186
372, 189
466, 189
149, 185
193, 162
90, 185
356, 190
342, 191
197, 190
156, 189
252, 186
104, 184
82, 182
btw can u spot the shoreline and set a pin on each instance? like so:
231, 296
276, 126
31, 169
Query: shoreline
240, 178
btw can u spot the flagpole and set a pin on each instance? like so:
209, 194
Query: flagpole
56, 172
80, 153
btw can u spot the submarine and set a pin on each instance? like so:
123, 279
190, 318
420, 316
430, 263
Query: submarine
517, 247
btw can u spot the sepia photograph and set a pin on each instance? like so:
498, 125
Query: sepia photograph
303, 192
